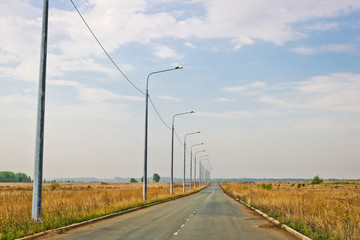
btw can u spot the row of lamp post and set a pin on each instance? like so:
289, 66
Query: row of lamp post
185, 160
172, 144
38, 163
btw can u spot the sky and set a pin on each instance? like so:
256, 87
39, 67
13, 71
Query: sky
275, 86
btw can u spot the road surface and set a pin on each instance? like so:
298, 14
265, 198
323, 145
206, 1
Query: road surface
209, 214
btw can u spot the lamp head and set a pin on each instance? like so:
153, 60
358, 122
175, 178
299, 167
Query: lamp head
179, 67
192, 112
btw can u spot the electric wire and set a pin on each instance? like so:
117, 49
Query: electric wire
162, 120
178, 138
113, 62
157, 113
107, 54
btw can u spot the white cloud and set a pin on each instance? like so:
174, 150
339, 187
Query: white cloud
91, 94
17, 98
117, 23
337, 92
334, 92
231, 115
89, 111
316, 124
64, 83
341, 48
324, 26
169, 98
165, 52
304, 50
189, 44
224, 100
337, 48
275, 101
252, 86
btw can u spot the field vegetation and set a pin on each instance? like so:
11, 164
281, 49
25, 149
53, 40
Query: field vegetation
67, 203
325, 210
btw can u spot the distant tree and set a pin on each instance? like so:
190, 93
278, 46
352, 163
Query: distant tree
6, 176
317, 180
156, 177
142, 179
22, 177
133, 180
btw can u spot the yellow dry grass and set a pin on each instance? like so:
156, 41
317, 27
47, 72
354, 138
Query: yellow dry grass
325, 211
66, 203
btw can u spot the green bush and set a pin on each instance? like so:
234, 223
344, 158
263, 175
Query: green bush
266, 186
156, 177
317, 180
54, 185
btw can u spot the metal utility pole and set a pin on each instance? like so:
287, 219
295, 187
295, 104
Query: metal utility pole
185, 159
146, 128
39, 145
200, 170
191, 162
172, 149
195, 167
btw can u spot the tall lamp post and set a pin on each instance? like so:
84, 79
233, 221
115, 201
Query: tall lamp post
146, 126
195, 168
172, 149
201, 158
39, 146
202, 169
207, 171
185, 158
191, 162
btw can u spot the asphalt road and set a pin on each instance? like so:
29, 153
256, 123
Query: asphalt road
206, 215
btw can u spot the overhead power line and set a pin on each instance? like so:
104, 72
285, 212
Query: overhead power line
113, 62
161, 119
107, 54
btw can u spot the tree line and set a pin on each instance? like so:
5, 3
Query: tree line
156, 178
6, 176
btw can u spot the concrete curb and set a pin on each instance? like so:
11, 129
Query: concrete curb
91, 221
287, 228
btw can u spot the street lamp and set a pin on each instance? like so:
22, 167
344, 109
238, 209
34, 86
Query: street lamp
195, 168
191, 163
201, 158
146, 127
185, 158
202, 169
207, 171
172, 149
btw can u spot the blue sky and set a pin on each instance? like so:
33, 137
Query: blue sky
275, 85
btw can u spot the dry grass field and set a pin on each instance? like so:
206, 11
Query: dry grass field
67, 203
330, 210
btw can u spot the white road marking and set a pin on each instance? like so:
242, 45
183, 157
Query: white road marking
178, 231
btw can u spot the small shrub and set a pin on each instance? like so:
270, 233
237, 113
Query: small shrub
266, 186
133, 180
299, 185
54, 185
317, 180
